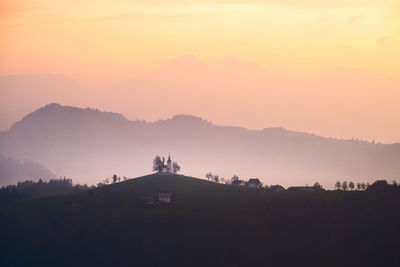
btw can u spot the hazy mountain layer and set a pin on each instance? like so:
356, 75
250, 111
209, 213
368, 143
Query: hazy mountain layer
340, 102
89, 145
12, 171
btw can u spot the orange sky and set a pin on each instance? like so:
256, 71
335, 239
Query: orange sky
100, 43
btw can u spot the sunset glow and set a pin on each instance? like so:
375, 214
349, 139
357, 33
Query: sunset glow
96, 37
100, 44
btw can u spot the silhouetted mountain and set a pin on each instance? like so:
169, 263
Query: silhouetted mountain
12, 171
89, 145
229, 91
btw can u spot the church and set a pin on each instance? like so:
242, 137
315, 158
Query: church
166, 168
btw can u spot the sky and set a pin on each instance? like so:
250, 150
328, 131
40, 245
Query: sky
100, 44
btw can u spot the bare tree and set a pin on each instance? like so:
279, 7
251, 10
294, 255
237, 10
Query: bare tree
363, 186
338, 185
344, 185
216, 178
358, 186
209, 176
351, 186
157, 164
114, 178
175, 167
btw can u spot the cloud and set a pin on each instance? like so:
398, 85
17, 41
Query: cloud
354, 18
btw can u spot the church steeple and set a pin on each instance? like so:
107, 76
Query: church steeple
169, 164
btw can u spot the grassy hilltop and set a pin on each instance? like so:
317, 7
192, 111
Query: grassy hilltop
205, 224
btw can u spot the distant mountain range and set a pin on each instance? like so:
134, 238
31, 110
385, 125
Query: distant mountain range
338, 102
89, 145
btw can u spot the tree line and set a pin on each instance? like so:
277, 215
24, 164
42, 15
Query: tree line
56, 186
217, 179
31, 189
158, 164
351, 186
359, 186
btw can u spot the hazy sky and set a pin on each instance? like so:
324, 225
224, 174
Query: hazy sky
100, 43
116, 38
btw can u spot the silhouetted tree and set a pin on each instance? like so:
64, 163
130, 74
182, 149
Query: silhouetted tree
114, 178
125, 178
216, 178
344, 185
119, 179
338, 185
351, 185
175, 167
157, 164
358, 186
234, 178
222, 180
381, 185
363, 186
209, 176
317, 185
394, 183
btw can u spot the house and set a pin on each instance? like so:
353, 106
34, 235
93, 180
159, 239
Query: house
277, 188
238, 183
254, 183
164, 197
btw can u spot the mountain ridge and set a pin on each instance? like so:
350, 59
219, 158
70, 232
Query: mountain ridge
56, 107
88, 145
229, 91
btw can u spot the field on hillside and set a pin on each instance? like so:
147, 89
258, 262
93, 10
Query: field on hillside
205, 224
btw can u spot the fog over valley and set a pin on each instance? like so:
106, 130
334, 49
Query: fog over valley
89, 145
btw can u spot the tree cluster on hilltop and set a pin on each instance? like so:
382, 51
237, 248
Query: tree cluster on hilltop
159, 165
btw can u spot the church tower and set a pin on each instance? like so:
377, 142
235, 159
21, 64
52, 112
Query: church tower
169, 164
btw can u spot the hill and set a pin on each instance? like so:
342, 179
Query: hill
205, 224
88, 145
